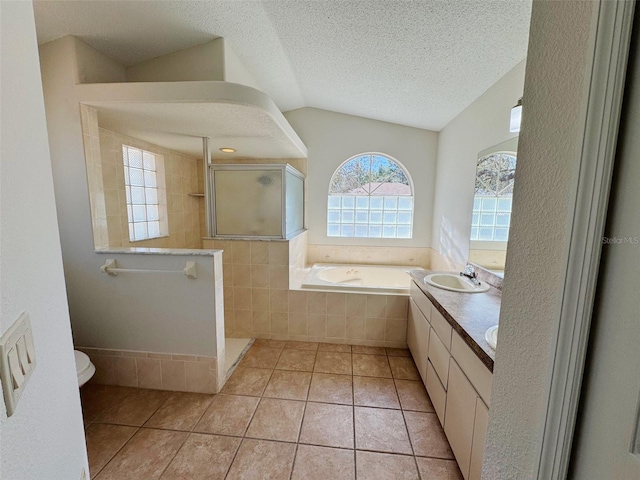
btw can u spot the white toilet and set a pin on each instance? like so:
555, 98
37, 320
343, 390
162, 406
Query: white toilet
84, 368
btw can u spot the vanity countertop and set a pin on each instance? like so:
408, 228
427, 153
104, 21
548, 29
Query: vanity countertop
470, 314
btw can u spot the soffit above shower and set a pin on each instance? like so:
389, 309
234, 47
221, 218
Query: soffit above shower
176, 115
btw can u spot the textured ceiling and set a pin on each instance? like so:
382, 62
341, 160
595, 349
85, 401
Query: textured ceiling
181, 126
416, 63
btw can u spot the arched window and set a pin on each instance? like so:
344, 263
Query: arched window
492, 198
370, 195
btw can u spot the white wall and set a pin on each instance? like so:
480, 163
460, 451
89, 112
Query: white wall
165, 314
333, 137
214, 60
549, 149
201, 62
45, 437
481, 125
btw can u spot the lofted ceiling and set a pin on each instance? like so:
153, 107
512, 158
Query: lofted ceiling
416, 63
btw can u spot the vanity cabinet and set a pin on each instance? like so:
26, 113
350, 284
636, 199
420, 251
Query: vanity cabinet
479, 435
460, 417
418, 338
457, 381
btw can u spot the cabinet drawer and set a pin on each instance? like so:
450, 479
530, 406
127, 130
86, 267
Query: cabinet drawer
442, 327
436, 391
418, 338
472, 366
439, 357
423, 303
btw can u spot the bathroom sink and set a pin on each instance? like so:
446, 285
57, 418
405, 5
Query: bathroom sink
491, 336
455, 283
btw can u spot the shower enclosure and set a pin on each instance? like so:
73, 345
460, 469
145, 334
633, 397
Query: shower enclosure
256, 201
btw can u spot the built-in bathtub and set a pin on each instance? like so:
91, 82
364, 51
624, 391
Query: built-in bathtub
374, 279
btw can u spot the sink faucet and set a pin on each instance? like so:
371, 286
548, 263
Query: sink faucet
471, 274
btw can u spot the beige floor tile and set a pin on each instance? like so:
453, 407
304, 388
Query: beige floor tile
368, 350
103, 442
334, 347
301, 360
180, 412
277, 419
203, 457
313, 346
333, 362
383, 466
331, 388
438, 469
135, 409
371, 365
261, 459
404, 368
261, 357
427, 436
381, 430
98, 398
328, 425
247, 381
398, 352
228, 415
265, 342
288, 385
146, 455
322, 463
375, 392
413, 396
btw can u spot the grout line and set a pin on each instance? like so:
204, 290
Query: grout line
297, 442
202, 415
353, 410
116, 453
175, 454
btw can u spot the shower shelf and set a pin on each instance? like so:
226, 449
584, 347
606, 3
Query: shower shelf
196, 194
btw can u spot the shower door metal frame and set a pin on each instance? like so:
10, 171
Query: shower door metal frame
284, 168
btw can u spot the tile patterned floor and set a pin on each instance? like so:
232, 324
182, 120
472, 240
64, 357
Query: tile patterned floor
291, 411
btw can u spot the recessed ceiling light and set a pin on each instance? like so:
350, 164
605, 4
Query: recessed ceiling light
227, 150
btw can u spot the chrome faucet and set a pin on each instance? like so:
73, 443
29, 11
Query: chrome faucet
471, 274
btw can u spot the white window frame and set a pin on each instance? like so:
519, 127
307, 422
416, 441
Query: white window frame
479, 208
147, 198
391, 207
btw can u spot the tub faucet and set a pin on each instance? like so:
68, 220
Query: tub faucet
471, 274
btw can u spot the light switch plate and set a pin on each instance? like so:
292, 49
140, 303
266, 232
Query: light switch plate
17, 361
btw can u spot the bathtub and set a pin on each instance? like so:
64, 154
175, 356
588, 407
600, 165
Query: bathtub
377, 279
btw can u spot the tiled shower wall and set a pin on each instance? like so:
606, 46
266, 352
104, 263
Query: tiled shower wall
181, 178
105, 178
260, 303
91, 142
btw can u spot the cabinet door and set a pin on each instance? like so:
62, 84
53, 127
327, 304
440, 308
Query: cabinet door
479, 435
439, 357
460, 416
418, 338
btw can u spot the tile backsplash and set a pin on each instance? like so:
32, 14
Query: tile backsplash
341, 254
